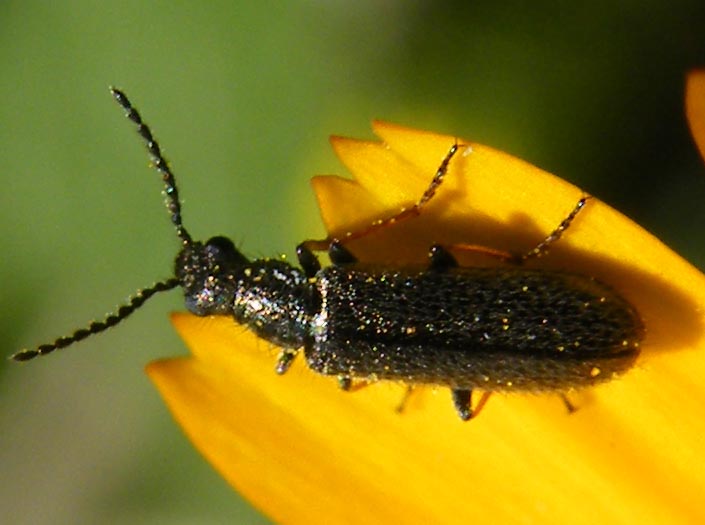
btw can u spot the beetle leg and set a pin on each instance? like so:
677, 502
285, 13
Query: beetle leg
415, 210
405, 399
441, 259
307, 260
284, 360
344, 382
484, 250
403, 214
462, 398
537, 251
568, 404
339, 254
542, 247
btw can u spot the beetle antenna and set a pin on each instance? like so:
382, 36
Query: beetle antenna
96, 327
137, 300
159, 162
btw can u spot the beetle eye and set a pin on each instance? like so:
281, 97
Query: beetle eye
221, 244
223, 249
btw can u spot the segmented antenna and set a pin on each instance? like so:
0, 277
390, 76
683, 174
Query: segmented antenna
96, 327
137, 300
172, 194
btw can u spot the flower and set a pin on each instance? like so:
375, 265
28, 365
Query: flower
301, 450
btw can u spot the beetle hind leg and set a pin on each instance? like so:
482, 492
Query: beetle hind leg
401, 406
346, 383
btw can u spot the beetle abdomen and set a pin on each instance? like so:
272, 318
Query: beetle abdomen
493, 328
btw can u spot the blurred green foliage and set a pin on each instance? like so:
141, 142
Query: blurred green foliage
242, 96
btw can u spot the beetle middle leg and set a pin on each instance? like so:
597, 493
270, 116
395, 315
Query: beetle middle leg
462, 401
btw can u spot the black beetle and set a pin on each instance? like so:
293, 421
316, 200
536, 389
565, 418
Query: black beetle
466, 328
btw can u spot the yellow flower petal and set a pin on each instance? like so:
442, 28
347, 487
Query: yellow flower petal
303, 451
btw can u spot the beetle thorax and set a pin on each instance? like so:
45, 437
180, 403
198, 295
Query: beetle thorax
270, 296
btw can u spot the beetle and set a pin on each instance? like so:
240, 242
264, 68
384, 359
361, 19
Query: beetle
464, 328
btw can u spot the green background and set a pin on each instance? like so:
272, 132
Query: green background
242, 97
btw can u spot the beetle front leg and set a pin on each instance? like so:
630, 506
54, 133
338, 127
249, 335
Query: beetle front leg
284, 360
